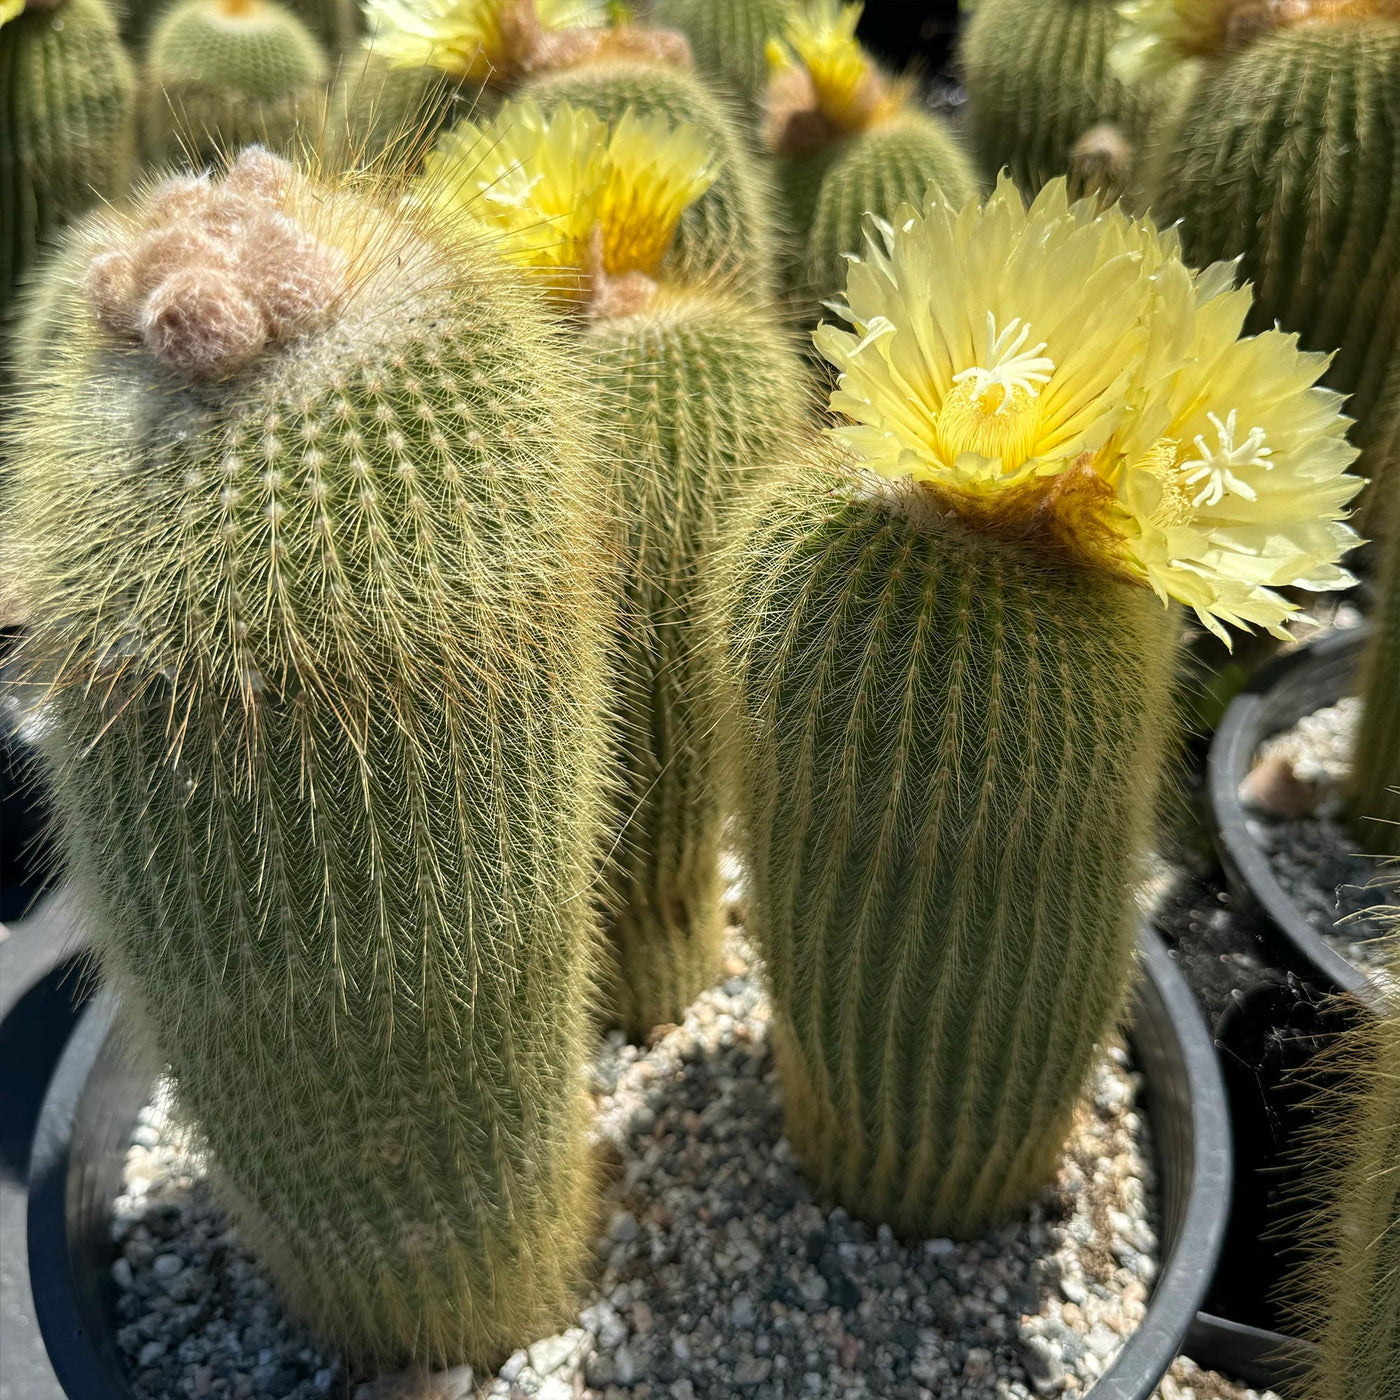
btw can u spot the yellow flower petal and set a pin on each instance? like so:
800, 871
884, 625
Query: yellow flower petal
10, 9
822, 39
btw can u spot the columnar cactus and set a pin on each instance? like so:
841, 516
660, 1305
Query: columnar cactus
1282, 155
702, 391
729, 38
308, 512
66, 123
848, 141
1348, 1297
1039, 79
956, 681
221, 74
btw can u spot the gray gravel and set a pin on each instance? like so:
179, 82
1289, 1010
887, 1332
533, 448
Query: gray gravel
719, 1275
1317, 859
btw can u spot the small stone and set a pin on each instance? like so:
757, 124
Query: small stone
626, 1364
513, 1365
978, 1366
742, 1311
165, 1266
1273, 788
642, 1319
152, 1351
121, 1273
549, 1355
623, 1227
1044, 1364
752, 1370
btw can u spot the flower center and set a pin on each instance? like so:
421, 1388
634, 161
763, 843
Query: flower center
1213, 469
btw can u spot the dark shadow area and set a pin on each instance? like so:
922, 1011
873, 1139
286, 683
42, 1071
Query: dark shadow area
923, 32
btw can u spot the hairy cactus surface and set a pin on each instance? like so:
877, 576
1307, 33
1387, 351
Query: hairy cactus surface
729, 38
335, 23
1039, 77
1284, 156
221, 74
956, 682
326, 625
66, 125
731, 228
1348, 1295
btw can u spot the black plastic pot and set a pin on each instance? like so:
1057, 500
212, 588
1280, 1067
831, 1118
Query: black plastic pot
1262, 1359
96, 1094
1292, 685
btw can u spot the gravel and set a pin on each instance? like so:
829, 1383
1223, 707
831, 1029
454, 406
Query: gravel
1315, 857
718, 1275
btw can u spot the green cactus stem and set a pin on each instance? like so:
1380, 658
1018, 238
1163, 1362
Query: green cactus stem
1039, 77
703, 391
66, 126
953, 748
1284, 156
326, 621
335, 23
728, 39
225, 73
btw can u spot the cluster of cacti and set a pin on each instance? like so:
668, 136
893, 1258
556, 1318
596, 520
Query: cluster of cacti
1347, 1290
956, 682
66, 124
702, 392
1281, 153
221, 74
1043, 98
308, 512
847, 141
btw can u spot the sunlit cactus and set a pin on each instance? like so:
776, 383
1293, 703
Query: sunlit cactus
729, 38
848, 140
957, 682
222, 74
66, 124
308, 512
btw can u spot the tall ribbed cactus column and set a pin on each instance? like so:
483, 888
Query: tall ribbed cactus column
956, 681
728, 38
325, 619
66, 125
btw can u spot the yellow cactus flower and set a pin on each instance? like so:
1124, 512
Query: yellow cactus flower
568, 199
1058, 369
475, 40
822, 41
655, 173
10, 9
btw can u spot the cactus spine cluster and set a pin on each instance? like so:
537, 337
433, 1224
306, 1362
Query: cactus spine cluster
1039, 78
728, 38
66, 125
225, 73
704, 392
1283, 155
951, 768
327, 628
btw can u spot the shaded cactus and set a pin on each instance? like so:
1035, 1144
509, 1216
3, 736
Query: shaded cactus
222, 74
728, 38
336, 23
326, 625
66, 126
1039, 77
1283, 156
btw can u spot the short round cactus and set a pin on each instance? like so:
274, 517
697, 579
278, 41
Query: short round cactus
729, 39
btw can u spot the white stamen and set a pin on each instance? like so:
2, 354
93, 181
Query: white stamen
1011, 367
1215, 466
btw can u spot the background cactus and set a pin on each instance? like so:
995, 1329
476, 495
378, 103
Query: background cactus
704, 392
66, 126
1282, 156
728, 38
952, 767
336, 23
1347, 1292
730, 228
326, 626
223, 73
1038, 77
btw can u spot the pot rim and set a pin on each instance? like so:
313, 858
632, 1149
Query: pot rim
97, 1079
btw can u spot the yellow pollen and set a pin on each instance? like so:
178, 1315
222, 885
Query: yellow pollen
991, 420
1176, 505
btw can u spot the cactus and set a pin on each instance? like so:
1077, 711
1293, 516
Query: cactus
730, 229
326, 623
335, 23
848, 140
728, 39
1038, 78
1347, 1293
956, 683
66, 135
1282, 156
702, 390
224, 73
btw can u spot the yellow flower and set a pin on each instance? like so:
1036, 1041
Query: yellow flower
471, 39
654, 174
10, 9
848, 88
532, 179
567, 199
1059, 369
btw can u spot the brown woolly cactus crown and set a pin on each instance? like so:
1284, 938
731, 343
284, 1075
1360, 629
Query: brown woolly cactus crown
206, 273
